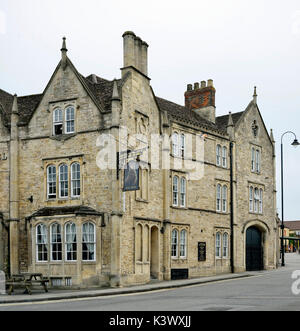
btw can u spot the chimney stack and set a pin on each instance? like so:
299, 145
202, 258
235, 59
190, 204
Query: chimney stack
135, 52
202, 100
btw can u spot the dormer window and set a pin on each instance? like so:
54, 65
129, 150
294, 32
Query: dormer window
57, 122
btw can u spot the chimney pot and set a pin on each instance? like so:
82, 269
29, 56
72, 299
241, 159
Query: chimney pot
210, 83
190, 87
196, 86
203, 84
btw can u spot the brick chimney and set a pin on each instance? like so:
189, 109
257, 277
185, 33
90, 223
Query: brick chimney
201, 99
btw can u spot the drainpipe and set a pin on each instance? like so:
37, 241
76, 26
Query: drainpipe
231, 210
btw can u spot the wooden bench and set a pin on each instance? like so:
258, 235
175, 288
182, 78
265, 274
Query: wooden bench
26, 281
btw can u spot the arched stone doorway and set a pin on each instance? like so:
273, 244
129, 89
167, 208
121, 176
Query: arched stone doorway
254, 249
154, 261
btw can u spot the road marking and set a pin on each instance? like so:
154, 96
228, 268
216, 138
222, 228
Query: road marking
122, 295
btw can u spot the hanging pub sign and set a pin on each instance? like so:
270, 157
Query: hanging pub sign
131, 177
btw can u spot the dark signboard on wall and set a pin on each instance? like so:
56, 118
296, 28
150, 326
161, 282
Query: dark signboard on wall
201, 252
131, 177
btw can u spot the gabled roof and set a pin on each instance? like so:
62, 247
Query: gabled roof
185, 115
222, 121
292, 225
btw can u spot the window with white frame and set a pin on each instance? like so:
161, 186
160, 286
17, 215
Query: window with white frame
256, 200
219, 196
175, 190
224, 157
41, 243
251, 199
57, 122
56, 242
63, 181
224, 199
75, 179
70, 120
71, 242
182, 145
174, 248
175, 144
218, 245
225, 245
183, 243
255, 160
218, 152
51, 182
260, 201
183, 192
88, 242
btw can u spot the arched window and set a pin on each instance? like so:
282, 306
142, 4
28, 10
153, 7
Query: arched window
63, 181
57, 122
251, 199
182, 145
41, 243
183, 192
51, 182
88, 242
175, 191
224, 157
260, 201
218, 152
71, 242
175, 243
224, 199
70, 120
219, 193
225, 245
183, 243
175, 144
218, 245
56, 242
75, 180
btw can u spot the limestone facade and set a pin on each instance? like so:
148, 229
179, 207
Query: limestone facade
64, 216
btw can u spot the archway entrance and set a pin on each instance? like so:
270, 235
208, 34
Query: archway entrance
254, 250
154, 261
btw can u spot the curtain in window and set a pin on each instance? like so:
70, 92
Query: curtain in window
174, 243
56, 243
41, 243
71, 242
63, 181
75, 179
51, 182
88, 242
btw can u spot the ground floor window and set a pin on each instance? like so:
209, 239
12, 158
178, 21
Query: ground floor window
222, 244
179, 243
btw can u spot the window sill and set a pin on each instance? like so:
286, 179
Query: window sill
141, 200
257, 214
177, 207
63, 137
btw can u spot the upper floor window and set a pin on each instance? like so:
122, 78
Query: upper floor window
218, 152
255, 160
224, 157
175, 144
222, 198
255, 200
175, 191
183, 192
179, 191
63, 181
75, 179
182, 145
64, 121
219, 195
51, 182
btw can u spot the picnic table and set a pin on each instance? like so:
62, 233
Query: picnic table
26, 281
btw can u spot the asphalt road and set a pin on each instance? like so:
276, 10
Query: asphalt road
267, 291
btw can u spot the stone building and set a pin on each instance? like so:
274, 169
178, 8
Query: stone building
66, 217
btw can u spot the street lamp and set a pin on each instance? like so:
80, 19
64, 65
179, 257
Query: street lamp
295, 144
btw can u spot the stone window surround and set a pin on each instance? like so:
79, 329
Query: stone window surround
69, 161
63, 223
179, 229
63, 105
260, 189
256, 148
222, 232
222, 184
220, 148
178, 205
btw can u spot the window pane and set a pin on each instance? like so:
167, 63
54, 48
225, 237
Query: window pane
51, 182
63, 181
88, 242
41, 243
174, 243
70, 120
75, 179
71, 242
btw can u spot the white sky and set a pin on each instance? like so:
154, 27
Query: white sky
237, 43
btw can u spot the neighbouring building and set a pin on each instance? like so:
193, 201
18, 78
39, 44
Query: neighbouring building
63, 216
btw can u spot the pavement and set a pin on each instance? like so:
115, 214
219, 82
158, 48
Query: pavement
54, 295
